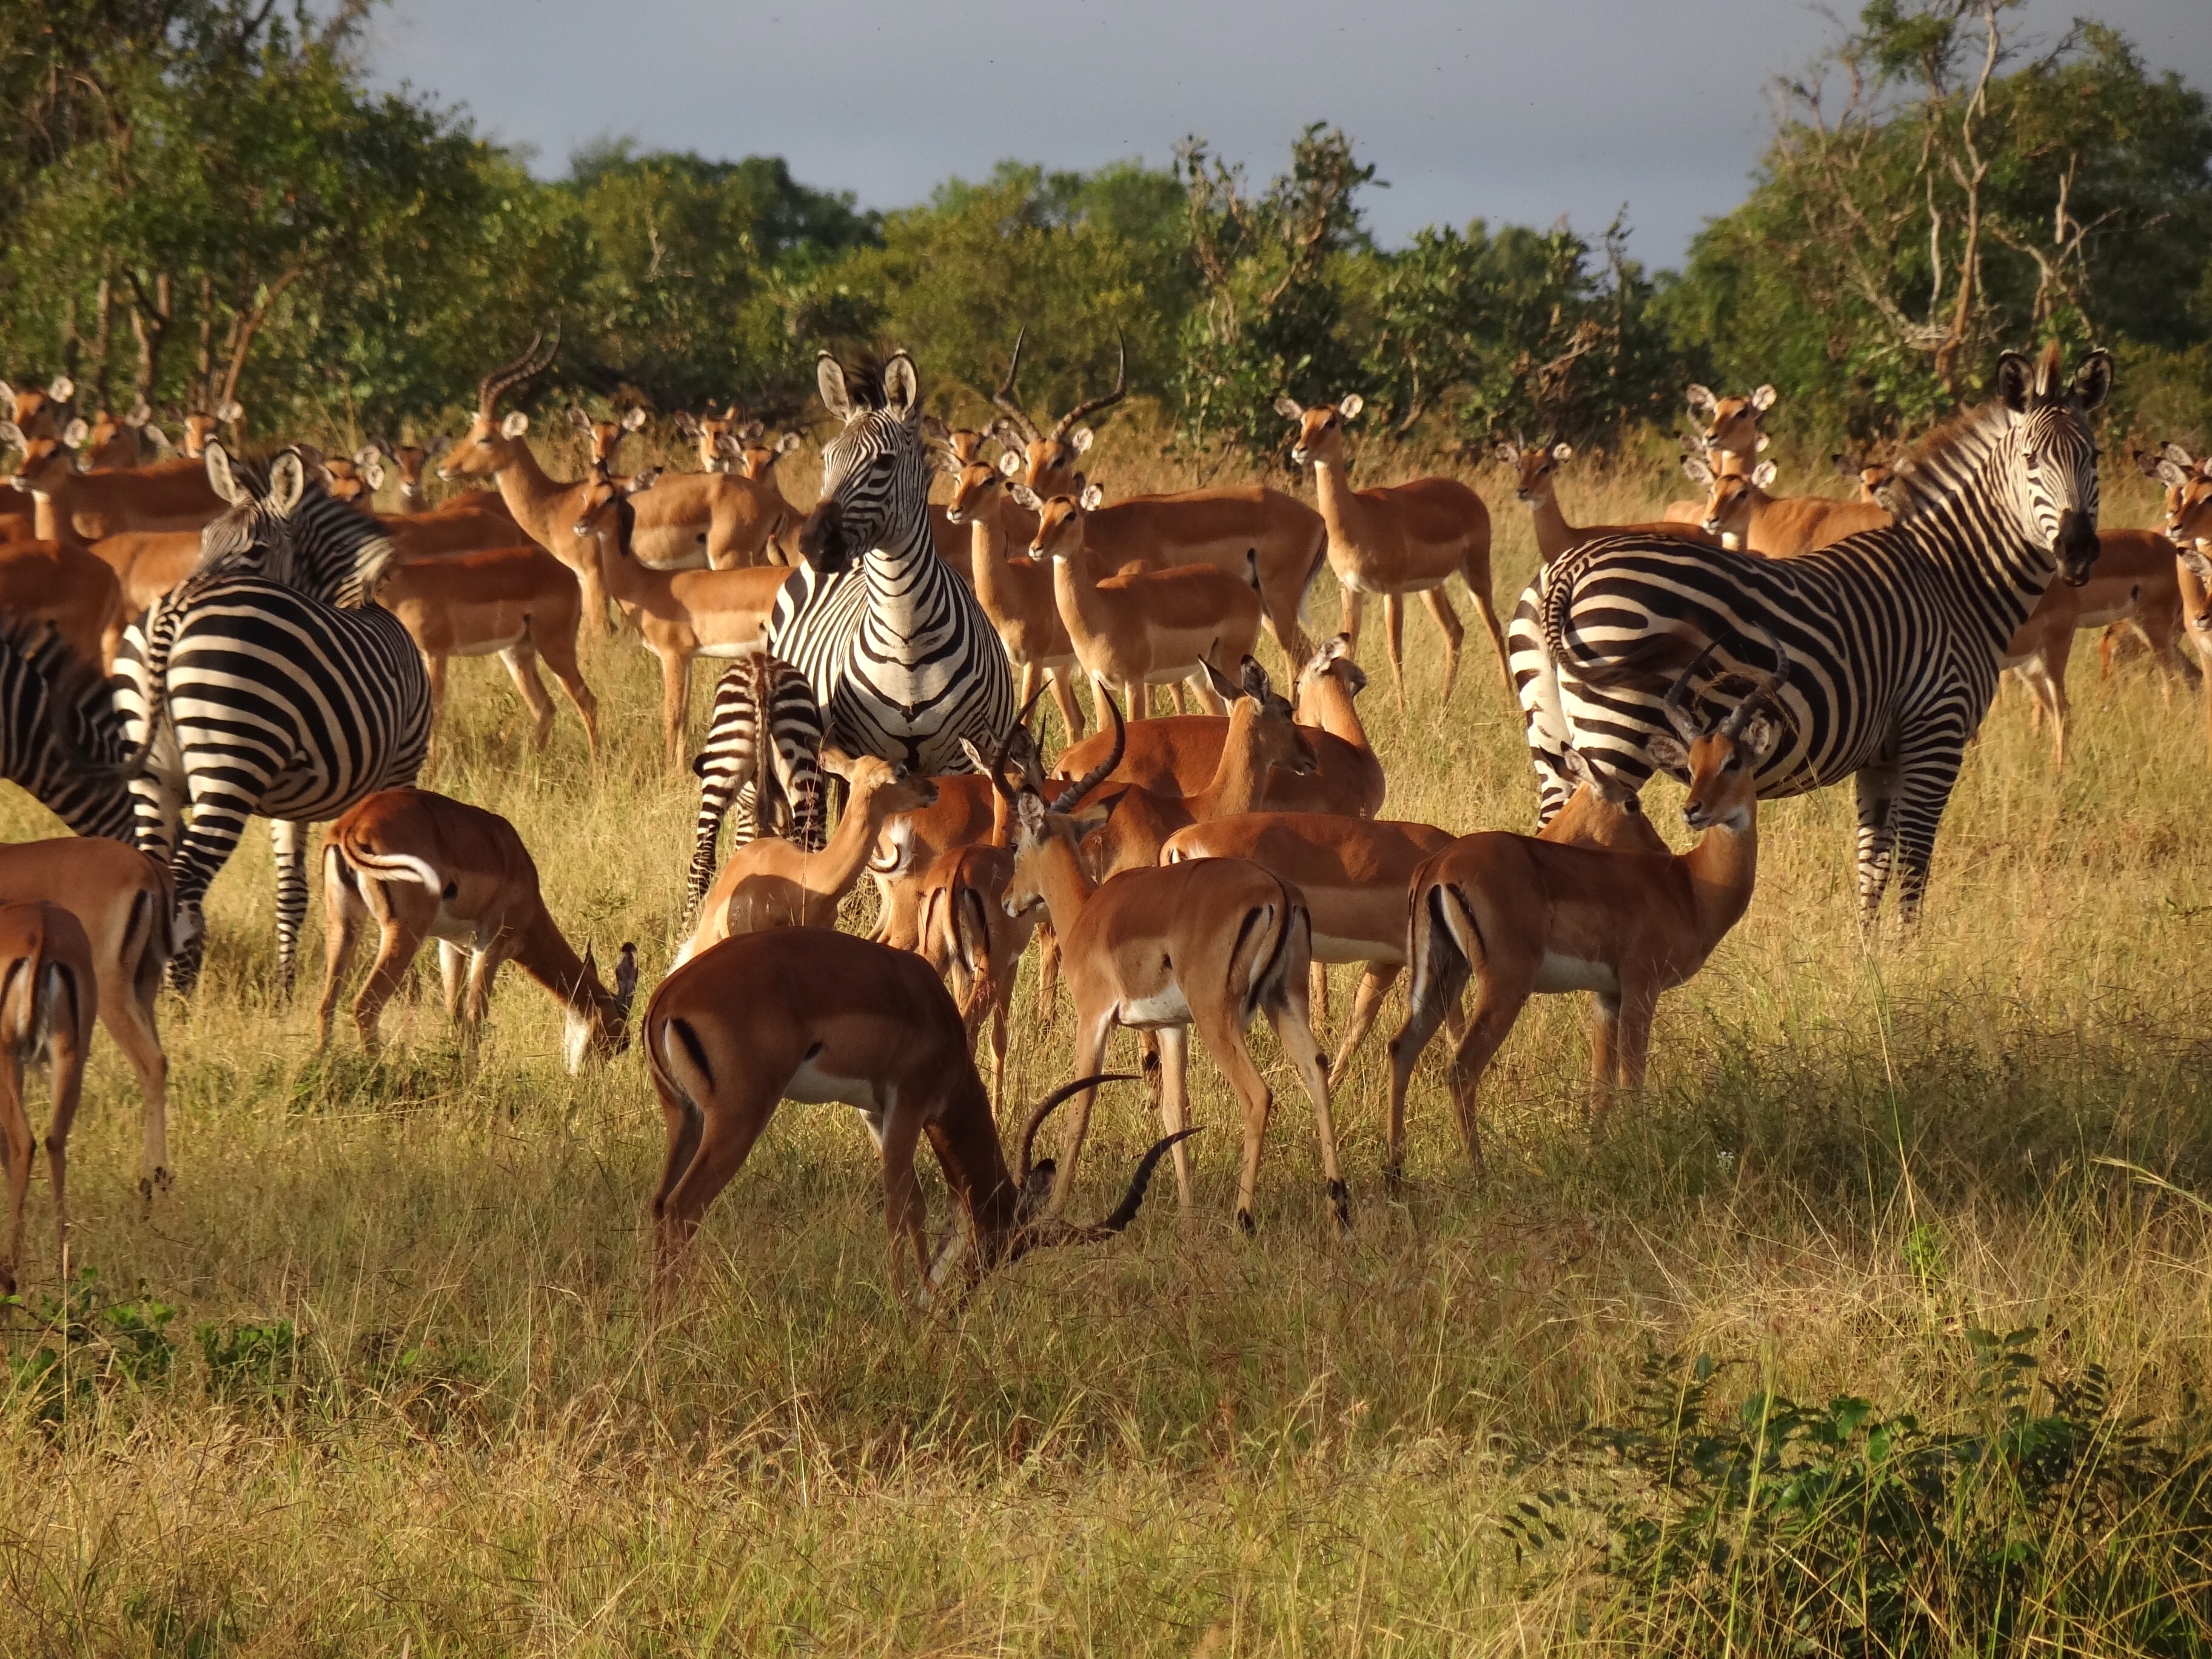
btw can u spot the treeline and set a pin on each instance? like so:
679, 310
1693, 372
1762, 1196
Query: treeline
202, 199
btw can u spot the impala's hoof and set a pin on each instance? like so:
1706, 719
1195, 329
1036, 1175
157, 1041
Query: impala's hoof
1339, 1199
1245, 1223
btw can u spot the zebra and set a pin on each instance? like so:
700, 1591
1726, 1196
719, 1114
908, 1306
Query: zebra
267, 684
758, 693
1895, 636
903, 660
61, 737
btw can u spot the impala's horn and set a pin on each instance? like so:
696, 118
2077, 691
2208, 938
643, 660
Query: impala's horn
1679, 702
1072, 797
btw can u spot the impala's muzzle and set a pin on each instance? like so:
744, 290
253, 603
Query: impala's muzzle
822, 541
2076, 546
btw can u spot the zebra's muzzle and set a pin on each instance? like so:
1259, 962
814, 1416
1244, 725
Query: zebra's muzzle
2076, 546
822, 539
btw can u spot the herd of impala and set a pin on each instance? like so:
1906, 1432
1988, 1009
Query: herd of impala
1194, 870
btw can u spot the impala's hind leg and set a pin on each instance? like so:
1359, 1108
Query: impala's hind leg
1288, 1018
1439, 605
1374, 983
521, 662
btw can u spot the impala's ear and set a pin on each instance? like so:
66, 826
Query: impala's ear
932, 429
836, 760
1005, 432
1092, 498
371, 473
1763, 399
1029, 809
231, 413
515, 425
1079, 440
632, 420
686, 422
1352, 403
1763, 474
2199, 566
12, 435
1563, 451
902, 387
976, 757
2093, 381
830, 382
287, 481
2015, 381
1010, 464
435, 447
139, 413
1290, 408
1025, 495
787, 443
1756, 739
1254, 679
1669, 754
1577, 768
62, 389
1508, 454
75, 433
626, 976
1223, 688
367, 455
578, 419
2167, 473
1701, 400
641, 482
1845, 463
220, 477
1694, 469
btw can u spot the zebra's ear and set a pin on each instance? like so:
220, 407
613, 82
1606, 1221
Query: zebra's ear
287, 481
902, 387
2093, 381
2015, 381
219, 479
830, 381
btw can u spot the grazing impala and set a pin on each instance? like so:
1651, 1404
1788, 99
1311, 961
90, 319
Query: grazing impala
1141, 628
813, 1015
1015, 591
516, 603
774, 882
47, 995
1524, 916
678, 614
1231, 528
1262, 740
425, 866
1210, 944
1731, 441
123, 900
167, 495
1536, 472
1738, 510
1397, 539
1177, 755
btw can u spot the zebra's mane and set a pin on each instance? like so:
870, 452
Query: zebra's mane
343, 570
1948, 459
864, 381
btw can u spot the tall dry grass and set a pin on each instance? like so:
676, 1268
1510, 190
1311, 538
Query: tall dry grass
407, 1399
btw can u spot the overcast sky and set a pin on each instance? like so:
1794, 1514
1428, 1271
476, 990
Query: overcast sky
1513, 113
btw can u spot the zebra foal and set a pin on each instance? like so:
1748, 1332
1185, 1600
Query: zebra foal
1895, 636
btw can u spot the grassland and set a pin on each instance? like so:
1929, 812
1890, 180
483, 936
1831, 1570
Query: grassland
375, 1378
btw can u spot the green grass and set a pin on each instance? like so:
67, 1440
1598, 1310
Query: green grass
407, 1399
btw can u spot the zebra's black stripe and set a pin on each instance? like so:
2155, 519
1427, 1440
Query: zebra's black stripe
1895, 637
61, 738
736, 767
265, 696
903, 660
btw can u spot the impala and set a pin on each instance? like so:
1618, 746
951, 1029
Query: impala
1536, 471
1262, 740
167, 495
1210, 944
754, 458
516, 603
1016, 593
1397, 539
708, 431
811, 1015
964, 934
605, 437
1872, 476
967, 812
122, 899
201, 428
39, 414
474, 521
2189, 522
1228, 527
1730, 442
678, 614
47, 995
773, 882
115, 440
1524, 916
1141, 628
70, 587
425, 866
1738, 510
1177, 755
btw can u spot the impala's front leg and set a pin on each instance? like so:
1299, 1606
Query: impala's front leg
1439, 605
1174, 1102
904, 1211
1090, 1050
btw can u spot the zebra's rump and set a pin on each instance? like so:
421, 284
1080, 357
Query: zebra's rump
328, 705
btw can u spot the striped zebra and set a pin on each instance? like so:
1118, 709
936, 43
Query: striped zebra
61, 737
268, 685
777, 783
901, 658
1895, 636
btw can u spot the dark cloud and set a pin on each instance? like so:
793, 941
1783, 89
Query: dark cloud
1512, 112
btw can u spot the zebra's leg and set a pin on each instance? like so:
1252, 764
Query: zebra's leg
1929, 772
716, 771
1439, 605
1877, 791
290, 841
521, 662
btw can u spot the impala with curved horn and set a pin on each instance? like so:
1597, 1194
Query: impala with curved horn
1283, 538
808, 1014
